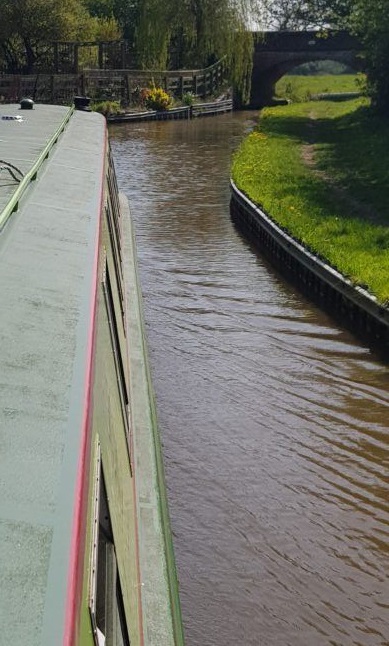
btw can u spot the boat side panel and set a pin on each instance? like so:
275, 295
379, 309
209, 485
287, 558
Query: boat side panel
110, 431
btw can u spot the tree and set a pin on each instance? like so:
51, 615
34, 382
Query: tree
210, 27
304, 14
100, 8
161, 33
127, 13
207, 30
189, 33
370, 21
28, 27
152, 33
105, 29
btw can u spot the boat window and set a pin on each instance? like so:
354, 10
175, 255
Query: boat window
113, 181
121, 379
106, 600
113, 195
116, 256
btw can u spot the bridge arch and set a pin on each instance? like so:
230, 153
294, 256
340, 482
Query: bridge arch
276, 53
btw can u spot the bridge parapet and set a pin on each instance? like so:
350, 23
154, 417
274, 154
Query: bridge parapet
295, 41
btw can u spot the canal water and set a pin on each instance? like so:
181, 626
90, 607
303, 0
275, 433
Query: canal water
274, 419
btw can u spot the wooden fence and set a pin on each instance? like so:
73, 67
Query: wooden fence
121, 85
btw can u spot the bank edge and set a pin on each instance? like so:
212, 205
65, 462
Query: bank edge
353, 305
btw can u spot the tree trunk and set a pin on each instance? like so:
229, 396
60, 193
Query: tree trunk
30, 56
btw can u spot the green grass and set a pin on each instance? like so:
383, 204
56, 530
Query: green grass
302, 88
350, 229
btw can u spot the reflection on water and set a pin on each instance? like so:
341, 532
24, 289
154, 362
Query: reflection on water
274, 420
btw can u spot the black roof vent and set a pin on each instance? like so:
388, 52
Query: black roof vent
26, 104
82, 103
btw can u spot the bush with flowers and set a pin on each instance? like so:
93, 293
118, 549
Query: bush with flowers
157, 99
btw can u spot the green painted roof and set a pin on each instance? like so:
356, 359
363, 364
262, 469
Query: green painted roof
46, 260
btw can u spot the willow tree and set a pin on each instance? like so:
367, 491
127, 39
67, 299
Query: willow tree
185, 33
194, 34
220, 28
152, 33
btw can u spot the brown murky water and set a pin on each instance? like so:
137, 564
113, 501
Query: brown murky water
274, 419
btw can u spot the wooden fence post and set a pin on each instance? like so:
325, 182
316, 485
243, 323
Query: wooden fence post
205, 84
56, 58
82, 84
212, 81
128, 88
123, 54
75, 71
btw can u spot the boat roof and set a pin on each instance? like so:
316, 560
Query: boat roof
47, 251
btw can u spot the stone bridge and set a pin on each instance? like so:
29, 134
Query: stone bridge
277, 52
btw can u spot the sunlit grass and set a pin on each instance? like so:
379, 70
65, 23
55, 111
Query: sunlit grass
302, 88
351, 233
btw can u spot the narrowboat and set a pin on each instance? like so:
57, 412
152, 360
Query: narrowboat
86, 547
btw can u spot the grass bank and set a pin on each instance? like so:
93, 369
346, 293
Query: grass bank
321, 170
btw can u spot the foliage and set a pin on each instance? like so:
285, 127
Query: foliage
190, 34
27, 28
143, 95
188, 98
100, 8
157, 99
240, 62
305, 14
162, 34
105, 29
106, 107
370, 21
346, 225
207, 30
127, 14
150, 32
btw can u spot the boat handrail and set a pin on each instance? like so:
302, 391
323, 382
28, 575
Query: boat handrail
31, 175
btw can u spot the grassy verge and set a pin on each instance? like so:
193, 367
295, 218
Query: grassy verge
321, 170
303, 88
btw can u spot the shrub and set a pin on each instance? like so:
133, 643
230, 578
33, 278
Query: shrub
188, 98
106, 107
158, 99
144, 95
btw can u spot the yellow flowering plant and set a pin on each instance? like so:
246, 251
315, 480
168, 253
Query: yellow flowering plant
158, 99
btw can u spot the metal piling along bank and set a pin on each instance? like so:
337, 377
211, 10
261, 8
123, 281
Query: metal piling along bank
358, 309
